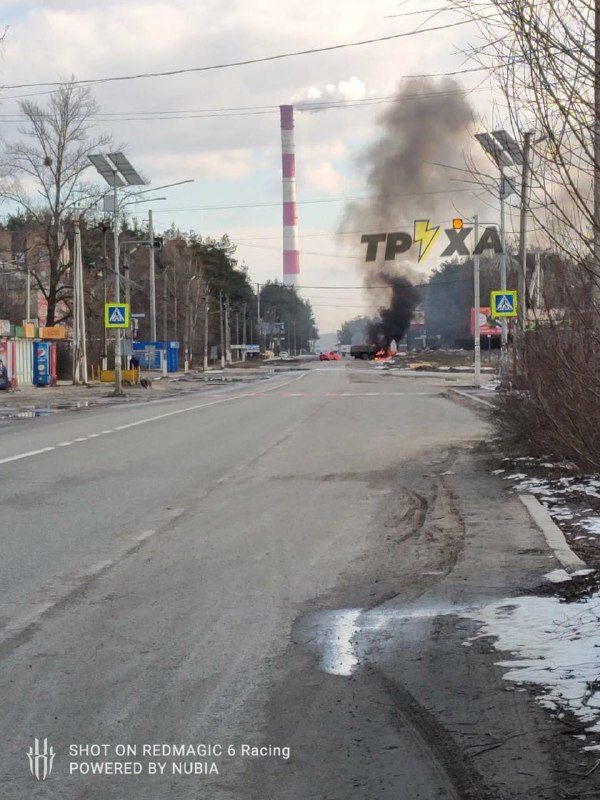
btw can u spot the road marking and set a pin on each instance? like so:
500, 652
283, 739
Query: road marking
155, 418
26, 455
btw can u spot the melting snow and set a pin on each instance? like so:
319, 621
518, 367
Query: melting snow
558, 576
592, 524
554, 646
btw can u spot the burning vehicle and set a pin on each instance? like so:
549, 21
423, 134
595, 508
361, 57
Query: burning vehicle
393, 322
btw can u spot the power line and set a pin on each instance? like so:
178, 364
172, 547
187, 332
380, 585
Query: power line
307, 202
246, 62
245, 111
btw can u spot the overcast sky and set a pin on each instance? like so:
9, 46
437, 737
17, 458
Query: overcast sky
235, 160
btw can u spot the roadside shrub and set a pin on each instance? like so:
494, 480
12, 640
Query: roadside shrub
553, 405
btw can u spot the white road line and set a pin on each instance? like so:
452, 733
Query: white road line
26, 455
154, 419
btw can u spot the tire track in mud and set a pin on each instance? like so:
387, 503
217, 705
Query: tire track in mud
433, 529
445, 753
443, 750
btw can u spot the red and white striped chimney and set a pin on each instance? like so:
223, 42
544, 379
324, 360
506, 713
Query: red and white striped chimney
291, 248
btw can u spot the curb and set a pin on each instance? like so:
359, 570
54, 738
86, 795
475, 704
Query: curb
553, 535
469, 396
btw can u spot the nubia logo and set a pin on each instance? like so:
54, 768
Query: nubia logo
425, 235
41, 758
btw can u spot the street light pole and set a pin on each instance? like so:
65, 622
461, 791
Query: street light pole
522, 307
152, 280
227, 332
476, 301
504, 336
222, 333
505, 152
258, 319
28, 304
206, 320
105, 295
118, 373
165, 303
116, 171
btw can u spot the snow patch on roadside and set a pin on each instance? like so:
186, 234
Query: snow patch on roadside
553, 646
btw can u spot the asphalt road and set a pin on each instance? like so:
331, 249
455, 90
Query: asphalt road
280, 565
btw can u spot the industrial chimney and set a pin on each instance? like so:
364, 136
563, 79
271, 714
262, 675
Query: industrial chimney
291, 251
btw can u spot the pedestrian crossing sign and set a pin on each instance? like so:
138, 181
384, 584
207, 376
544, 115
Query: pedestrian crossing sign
504, 304
116, 315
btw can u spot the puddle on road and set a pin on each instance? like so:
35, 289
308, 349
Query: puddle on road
342, 636
31, 412
331, 634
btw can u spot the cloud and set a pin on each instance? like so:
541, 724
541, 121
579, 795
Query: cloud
228, 165
323, 177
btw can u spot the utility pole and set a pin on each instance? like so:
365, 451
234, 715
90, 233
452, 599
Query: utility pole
79, 333
538, 281
165, 303
28, 303
227, 332
175, 306
152, 279
596, 268
258, 319
244, 332
476, 302
504, 336
206, 321
188, 323
126, 273
105, 293
522, 285
221, 330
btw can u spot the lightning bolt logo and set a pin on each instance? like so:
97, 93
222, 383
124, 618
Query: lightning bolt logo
425, 236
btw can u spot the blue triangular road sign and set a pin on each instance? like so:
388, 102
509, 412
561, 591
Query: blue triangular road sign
504, 304
116, 316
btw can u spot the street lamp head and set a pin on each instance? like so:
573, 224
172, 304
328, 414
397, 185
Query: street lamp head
106, 170
494, 150
508, 144
116, 170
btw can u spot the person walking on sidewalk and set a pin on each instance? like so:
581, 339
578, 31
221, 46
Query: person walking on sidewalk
4, 382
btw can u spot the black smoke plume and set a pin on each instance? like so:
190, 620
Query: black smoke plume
428, 122
394, 320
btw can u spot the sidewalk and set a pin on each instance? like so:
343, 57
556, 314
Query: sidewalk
29, 401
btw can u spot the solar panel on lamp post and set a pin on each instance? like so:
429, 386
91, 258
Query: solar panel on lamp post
117, 171
505, 152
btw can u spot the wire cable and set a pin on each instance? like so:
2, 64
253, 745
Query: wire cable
245, 62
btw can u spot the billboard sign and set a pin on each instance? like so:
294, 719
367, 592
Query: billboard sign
487, 324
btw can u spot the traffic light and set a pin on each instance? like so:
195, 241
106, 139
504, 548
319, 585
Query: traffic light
158, 242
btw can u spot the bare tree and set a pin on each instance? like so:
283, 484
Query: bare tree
42, 176
542, 56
